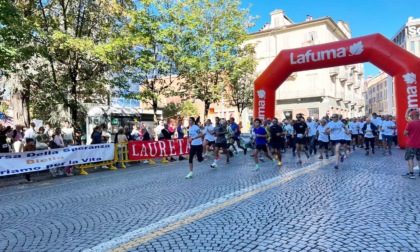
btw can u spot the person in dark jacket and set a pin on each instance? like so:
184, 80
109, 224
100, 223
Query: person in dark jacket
4, 146
97, 135
369, 131
146, 135
167, 135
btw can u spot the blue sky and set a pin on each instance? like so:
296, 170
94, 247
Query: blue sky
364, 17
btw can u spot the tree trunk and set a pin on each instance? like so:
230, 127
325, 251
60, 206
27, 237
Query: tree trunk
155, 107
206, 109
20, 103
74, 110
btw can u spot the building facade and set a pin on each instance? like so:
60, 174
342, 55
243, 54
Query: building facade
408, 38
377, 95
315, 92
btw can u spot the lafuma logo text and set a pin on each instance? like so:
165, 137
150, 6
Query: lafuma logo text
261, 104
341, 52
412, 97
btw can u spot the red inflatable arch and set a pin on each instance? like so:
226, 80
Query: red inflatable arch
377, 49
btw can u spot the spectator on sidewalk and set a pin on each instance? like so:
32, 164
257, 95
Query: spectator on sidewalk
127, 133
30, 133
4, 145
146, 135
49, 131
412, 150
105, 135
78, 134
96, 135
16, 136
56, 143
180, 133
135, 134
167, 135
120, 138
68, 133
30, 146
42, 140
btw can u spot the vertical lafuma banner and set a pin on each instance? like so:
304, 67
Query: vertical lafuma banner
376, 49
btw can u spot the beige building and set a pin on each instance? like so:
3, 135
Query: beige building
315, 92
377, 100
408, 38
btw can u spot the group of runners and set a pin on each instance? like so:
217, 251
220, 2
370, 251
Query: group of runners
330, 136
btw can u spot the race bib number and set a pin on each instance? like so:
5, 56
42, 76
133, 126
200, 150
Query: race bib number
299, 135
4, 146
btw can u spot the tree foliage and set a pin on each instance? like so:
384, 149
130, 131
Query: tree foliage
180, 110
65, 53
241, 77
216, 30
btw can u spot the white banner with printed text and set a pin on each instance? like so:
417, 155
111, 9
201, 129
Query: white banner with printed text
23, 162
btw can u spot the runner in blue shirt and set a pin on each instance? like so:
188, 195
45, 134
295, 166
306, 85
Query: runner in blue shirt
237, 134
261, 143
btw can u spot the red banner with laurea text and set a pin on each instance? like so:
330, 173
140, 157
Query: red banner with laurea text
139, 150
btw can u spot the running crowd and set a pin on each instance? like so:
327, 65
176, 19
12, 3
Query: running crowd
333, 136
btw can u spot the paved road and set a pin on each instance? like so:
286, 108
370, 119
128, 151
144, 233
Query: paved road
365, 205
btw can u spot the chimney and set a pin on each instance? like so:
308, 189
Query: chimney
308, 18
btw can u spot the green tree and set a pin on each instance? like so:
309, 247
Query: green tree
154, 64
15, 33
180, 110
241, 77
216, 31
76, 42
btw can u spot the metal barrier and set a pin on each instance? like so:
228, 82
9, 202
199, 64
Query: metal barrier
109, 163
120, 157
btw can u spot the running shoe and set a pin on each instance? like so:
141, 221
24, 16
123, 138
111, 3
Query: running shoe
189, 175
410, 175
228, 161
262, 159
245, 150
367, 153
213, 165
256, 169
321, 157
279, 163
326, 156
336, 166
307, 155
342, 159
299, 162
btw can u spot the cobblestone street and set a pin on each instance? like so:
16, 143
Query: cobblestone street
365, 205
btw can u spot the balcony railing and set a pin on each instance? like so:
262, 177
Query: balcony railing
334, 71
339, 95
342, 77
